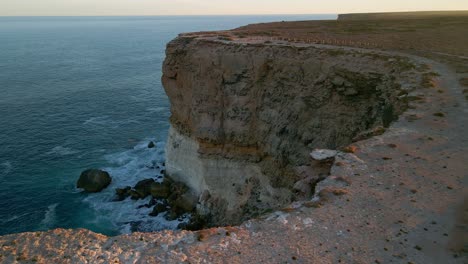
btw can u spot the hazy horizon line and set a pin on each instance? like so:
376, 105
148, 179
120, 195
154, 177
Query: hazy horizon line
169, 15
262, 14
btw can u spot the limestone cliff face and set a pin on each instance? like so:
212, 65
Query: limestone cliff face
246, 116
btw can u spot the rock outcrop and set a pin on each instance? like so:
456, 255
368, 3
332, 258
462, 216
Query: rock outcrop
246, 117
170, 197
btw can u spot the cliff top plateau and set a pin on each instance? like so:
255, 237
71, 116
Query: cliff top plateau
415, 32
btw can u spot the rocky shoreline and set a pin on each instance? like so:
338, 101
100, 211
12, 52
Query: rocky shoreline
171, 199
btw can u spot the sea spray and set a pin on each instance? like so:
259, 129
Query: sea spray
130, 167
50, 217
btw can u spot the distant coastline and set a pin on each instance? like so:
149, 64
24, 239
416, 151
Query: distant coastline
402, 15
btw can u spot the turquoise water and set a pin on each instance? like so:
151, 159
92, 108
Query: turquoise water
85, 92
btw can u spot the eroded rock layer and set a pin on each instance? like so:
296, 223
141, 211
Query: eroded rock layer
245, 117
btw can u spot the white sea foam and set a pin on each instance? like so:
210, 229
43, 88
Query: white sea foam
99, 120
49, 217
130, 167
159, 109
61, 151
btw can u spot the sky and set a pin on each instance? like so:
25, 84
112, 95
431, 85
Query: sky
216, 7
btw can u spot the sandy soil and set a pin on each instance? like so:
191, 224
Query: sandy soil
400, 198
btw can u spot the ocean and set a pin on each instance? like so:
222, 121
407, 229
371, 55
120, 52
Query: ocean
85, 92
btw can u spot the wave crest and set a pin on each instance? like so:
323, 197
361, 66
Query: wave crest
50, 217
61, 151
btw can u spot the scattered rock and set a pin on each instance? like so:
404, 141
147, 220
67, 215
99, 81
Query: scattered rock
197, 222
159, 208
143, 188
185, 203
323, 154
160, 190
151, 144
171, 215
122, 193
177, 189
174, 197
305, 186
134, 195
93, 180
308, 176
150, 204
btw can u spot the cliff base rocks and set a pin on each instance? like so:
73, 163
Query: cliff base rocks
169, 197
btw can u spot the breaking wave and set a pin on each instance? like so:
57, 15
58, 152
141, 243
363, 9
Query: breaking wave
128, 168
61, 151
50, 217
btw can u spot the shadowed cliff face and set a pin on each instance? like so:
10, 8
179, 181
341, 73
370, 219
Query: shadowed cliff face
245, 117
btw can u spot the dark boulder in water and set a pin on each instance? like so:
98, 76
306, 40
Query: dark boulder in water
143, 188
151, 144
159, 208
160, 190
171, 215
93, 180
134, 195
122, 193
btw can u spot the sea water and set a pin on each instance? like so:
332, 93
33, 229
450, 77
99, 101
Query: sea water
85, 92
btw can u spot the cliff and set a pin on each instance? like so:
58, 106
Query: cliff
242, 103
246, 117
